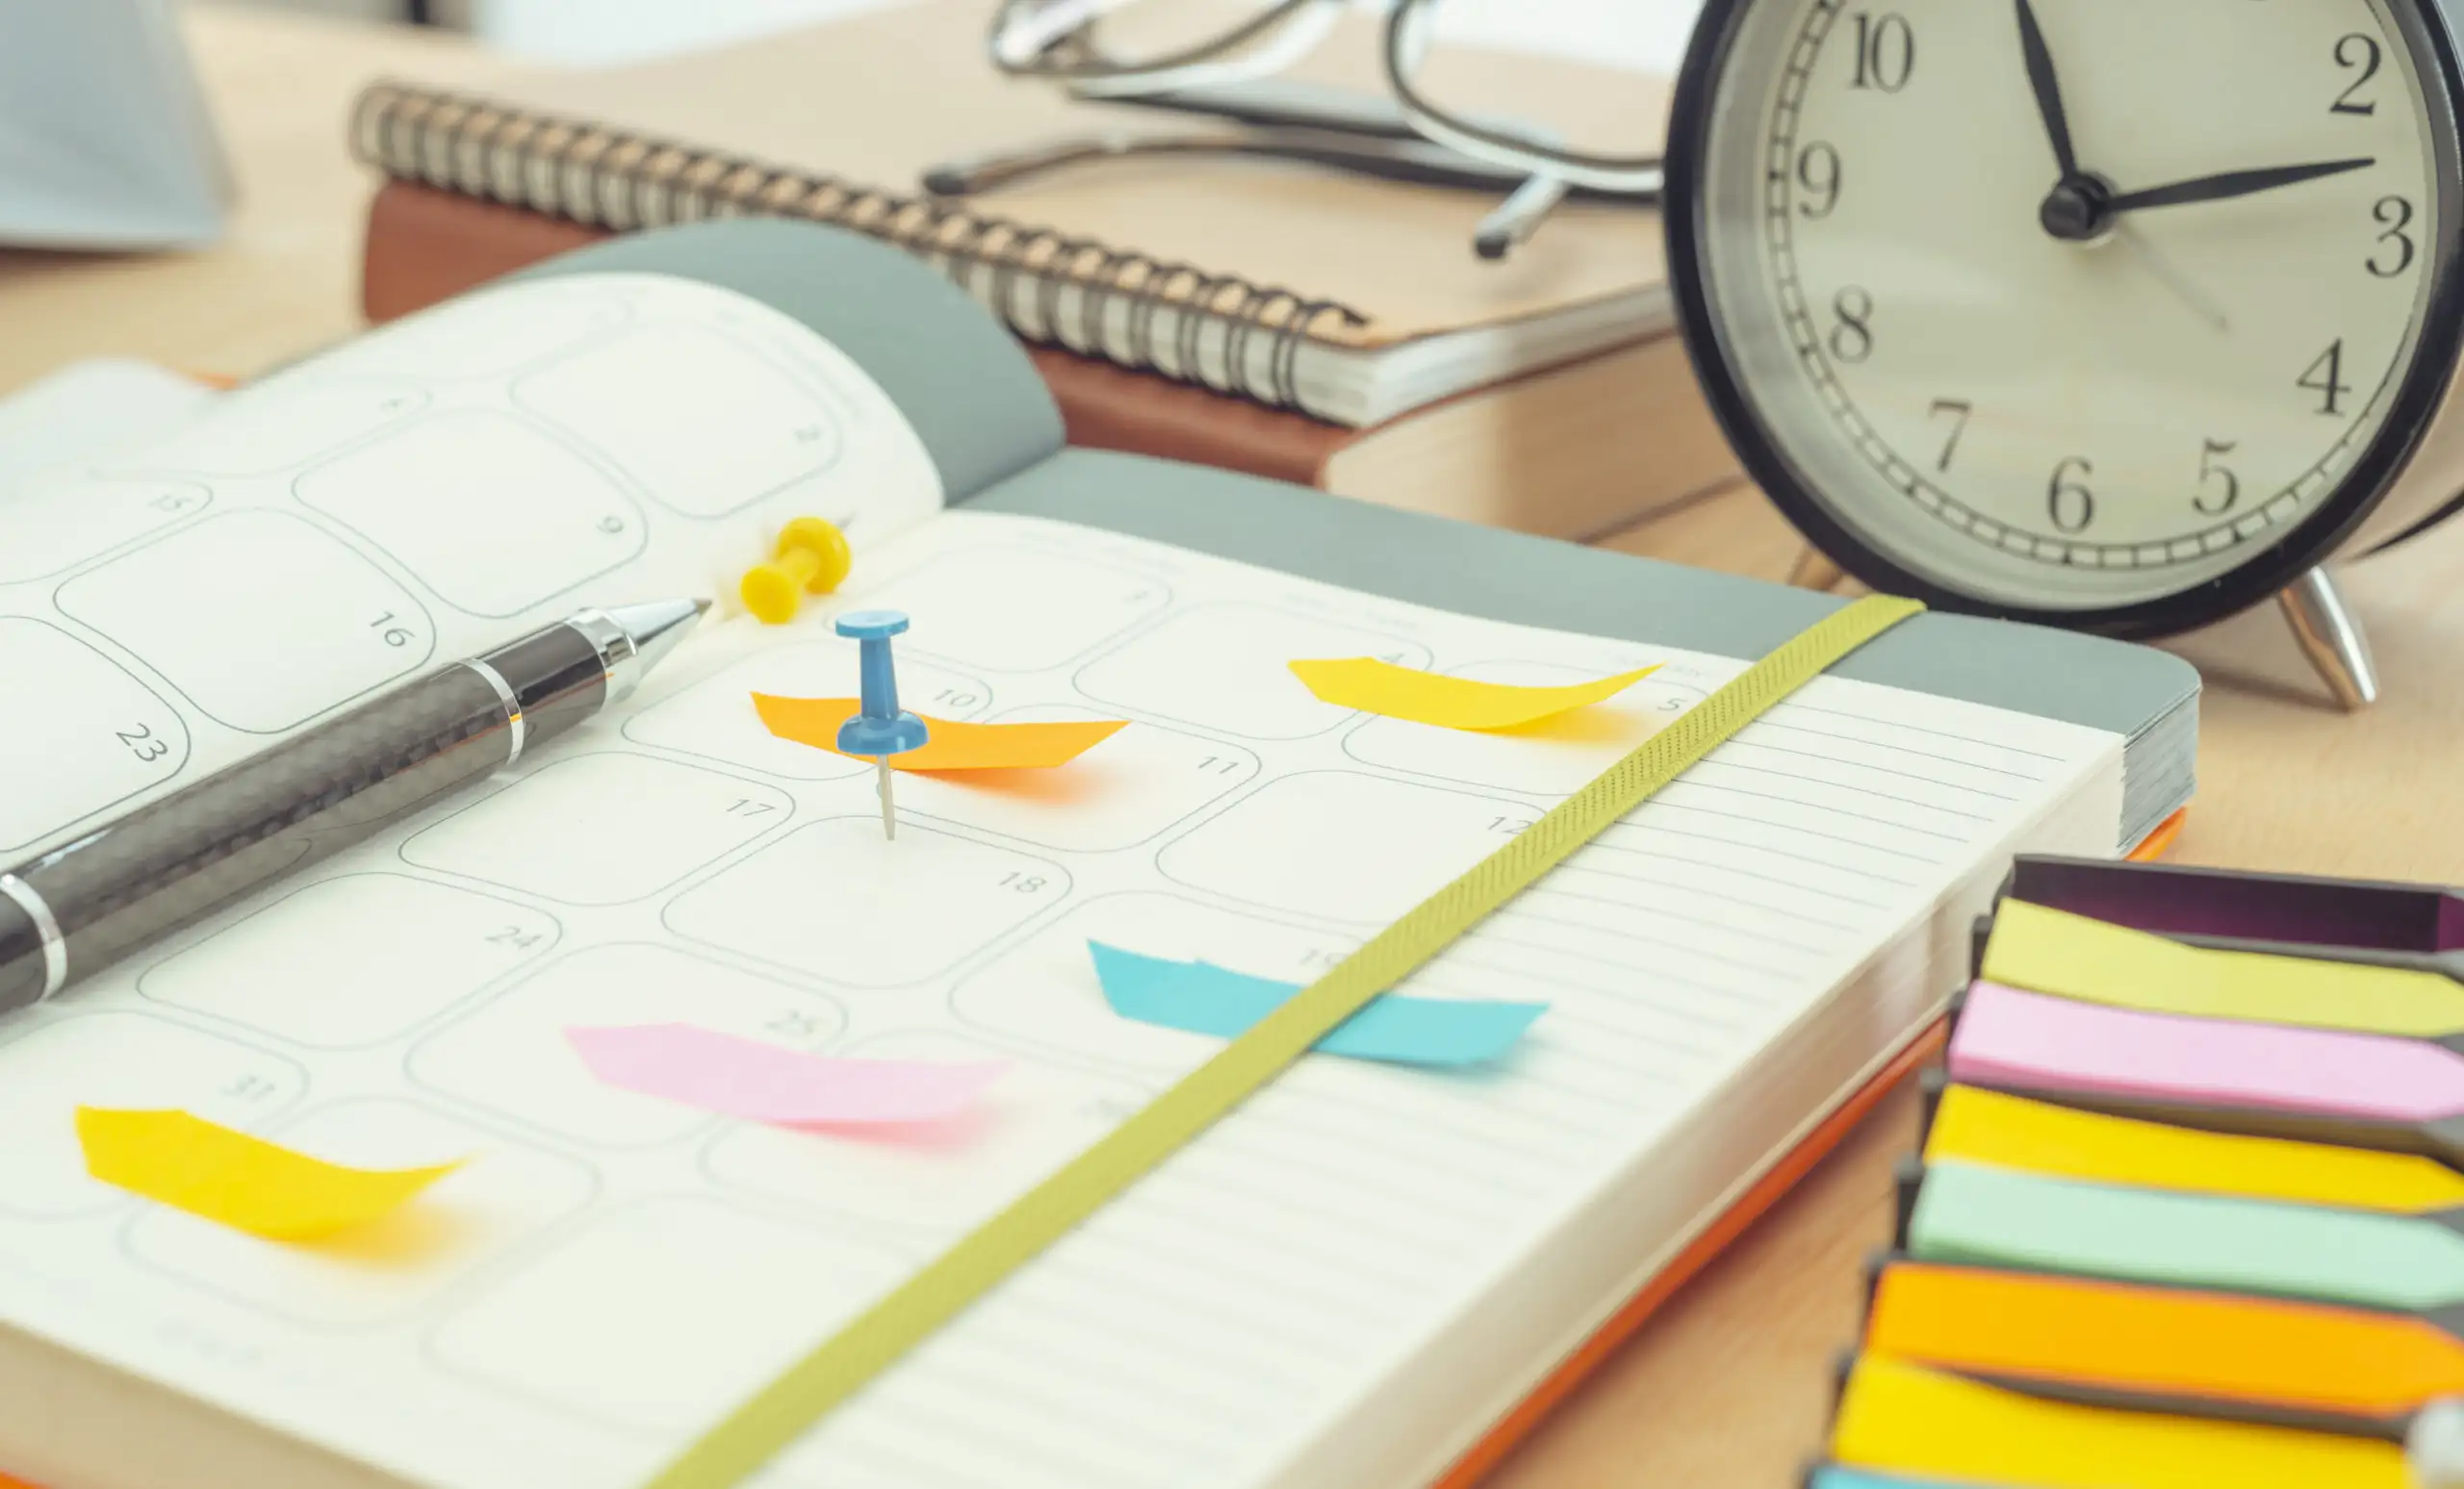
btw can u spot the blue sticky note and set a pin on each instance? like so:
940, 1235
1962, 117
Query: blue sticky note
1197, 997
1832, 1476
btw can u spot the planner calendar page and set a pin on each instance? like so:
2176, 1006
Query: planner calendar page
416, 496
609, 1273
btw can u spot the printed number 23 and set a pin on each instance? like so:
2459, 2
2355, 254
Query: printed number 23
143, 743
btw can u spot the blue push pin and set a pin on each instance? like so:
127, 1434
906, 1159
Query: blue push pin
879, 728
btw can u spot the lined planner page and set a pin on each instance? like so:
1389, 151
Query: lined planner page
610, 1274
420, 495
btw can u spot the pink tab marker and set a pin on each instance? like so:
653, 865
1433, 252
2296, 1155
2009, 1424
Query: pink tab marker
763, 1083
2330, 1083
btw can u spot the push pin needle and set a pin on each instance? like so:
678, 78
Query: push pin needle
879, 730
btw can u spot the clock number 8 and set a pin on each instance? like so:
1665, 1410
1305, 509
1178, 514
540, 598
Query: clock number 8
1852, 340
2067, 499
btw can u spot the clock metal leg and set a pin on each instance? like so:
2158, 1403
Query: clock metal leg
1815, 570
2331, 638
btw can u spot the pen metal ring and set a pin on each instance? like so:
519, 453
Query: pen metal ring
513, 720
55, 945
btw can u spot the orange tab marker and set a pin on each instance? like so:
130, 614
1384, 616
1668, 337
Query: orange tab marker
1389, 691
815, 721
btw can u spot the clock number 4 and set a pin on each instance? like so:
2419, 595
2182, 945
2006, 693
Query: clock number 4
2362, 52
1886, 51
2327, 378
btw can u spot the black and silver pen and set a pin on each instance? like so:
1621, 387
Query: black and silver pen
74, 910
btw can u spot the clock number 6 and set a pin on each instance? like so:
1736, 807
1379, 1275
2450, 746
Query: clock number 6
2067, 499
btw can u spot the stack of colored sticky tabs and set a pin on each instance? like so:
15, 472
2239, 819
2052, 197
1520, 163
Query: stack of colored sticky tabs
2189, 1210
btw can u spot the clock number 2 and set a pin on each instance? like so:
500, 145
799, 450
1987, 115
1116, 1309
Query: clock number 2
2066, 497
2361, 51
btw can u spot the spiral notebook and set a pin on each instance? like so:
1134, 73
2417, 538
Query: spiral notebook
1348, 1282
1352, 300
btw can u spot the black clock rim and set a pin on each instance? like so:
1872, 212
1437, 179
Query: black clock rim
2416, 404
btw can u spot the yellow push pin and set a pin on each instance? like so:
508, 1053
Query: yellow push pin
810, 558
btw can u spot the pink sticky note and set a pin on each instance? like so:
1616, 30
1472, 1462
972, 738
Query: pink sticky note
762, 1083
2009, 1037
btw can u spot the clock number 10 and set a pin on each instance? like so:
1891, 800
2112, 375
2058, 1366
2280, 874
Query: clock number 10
1886, 52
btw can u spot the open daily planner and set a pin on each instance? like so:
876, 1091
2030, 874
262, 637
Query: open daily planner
1342, 1284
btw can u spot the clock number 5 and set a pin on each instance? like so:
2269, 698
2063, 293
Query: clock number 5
2066, 497
2208, 472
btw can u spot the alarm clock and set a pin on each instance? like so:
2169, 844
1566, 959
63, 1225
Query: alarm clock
2118, 315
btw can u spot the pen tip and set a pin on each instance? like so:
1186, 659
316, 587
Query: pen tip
700, 607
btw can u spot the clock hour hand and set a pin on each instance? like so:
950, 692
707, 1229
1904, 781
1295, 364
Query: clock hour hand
2047, 86
2231, 184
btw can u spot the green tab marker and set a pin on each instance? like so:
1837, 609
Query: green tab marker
1995, 1217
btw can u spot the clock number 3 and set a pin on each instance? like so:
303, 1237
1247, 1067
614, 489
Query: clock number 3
2395, 215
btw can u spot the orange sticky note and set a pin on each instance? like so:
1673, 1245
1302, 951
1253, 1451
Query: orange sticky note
953, 746
235, 1180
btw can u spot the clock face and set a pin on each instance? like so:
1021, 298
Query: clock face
2083, 389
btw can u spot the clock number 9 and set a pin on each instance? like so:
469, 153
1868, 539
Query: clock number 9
1818, 172
2067, 499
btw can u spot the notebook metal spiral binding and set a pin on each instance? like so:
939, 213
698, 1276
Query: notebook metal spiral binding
1167, 311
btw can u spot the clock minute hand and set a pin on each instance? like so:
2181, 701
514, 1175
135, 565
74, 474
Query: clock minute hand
2043, 82
2231, 184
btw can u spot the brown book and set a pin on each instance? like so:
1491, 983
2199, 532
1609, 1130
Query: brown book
1577, 450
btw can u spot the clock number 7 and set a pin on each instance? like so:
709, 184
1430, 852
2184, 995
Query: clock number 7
1961, 408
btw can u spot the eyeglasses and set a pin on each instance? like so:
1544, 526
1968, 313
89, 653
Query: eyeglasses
1198, 60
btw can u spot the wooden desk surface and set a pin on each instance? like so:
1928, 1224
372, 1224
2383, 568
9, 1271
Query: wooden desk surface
1728, 1387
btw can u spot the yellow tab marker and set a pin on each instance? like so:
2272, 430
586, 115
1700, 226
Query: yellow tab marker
2072, 956
1904, 1419
815, 721
2013, 1132
235, 1180
1389, 691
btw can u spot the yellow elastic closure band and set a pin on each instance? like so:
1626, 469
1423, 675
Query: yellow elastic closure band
2072, 956
1907, 1421
734, 1449
2013, 1132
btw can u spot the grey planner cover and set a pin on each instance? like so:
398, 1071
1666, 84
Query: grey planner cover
995, 435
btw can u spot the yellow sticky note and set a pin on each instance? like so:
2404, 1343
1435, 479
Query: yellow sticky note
2013, 1132
2069, 956
235, 1180
1389, 691
951, 746
1904, 1419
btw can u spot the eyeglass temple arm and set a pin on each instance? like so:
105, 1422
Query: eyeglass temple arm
1413, 162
